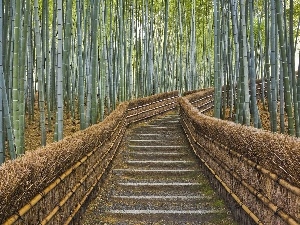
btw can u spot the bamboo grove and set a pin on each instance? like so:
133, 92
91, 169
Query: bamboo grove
257, 40
82, 57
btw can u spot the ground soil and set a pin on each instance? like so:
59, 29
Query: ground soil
33, 130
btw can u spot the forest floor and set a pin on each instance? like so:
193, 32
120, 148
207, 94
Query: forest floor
33, 129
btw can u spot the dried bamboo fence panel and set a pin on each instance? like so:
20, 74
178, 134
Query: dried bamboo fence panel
259, 167
52, 185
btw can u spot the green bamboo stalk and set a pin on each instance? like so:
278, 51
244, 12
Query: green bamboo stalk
53, 62
245, 65
286, 80
46, 53
180, 63
10, 56
16, 80
30, 90
292, 68
164, 60
193, 49
129, 67
94, 63
253, 77
8, 122
22, 73
2, 148
39, 73
217, 75
67, 54
80, 66
273, 100
60, 96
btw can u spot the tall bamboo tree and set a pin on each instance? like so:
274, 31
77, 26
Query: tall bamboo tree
2, 149
286, 79
80, 66
16, 80
59, 82
40, 75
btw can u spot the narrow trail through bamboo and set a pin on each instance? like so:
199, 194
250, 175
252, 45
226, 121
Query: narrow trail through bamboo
156, 178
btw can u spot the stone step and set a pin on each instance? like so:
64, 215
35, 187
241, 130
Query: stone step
157, 141
152, 175
157, 175
161, 198
158, 136
153, 155
159, 202
184, 164
159, 129
156, 147
158, 188
174, 217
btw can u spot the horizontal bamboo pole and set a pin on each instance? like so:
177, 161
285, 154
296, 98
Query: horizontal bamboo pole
202, 98
229, 191
149, 110
144, 106
146, 117
152, 102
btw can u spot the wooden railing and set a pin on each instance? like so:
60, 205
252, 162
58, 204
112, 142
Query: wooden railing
52, 185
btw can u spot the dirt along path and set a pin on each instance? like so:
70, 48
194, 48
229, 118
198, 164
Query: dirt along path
156, 179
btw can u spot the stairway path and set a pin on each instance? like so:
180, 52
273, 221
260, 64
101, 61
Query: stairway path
156, 179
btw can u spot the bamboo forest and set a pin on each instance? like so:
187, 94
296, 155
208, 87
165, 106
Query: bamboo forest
81, 58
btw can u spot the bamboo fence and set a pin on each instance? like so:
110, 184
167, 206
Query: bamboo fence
53, 185
256, 171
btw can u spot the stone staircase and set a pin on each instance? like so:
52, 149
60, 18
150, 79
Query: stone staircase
156, 179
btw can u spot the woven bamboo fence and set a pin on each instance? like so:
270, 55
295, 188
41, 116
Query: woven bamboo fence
203, 99
257, 172
53, 185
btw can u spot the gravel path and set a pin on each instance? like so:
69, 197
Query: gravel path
156, 179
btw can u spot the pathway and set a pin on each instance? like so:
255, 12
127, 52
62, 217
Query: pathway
156, 179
